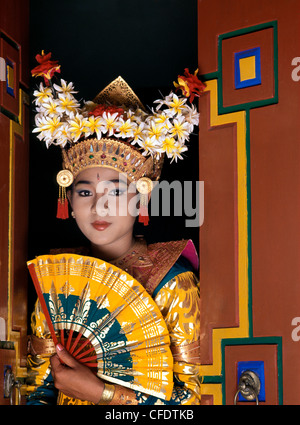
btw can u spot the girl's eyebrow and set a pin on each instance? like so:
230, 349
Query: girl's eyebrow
117, 181
106, 181
83, 182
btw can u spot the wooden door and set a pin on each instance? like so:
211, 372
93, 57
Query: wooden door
249, 162
14, 158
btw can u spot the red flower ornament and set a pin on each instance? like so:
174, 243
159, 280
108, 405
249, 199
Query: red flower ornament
190, 85
46, 67
100, 109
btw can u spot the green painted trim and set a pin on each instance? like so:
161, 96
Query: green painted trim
275, 29
218, 74
10, 41
255, 104
212, 379
244, 106
210, 76
235, 108
7, 345
216, 379
264, 340
249, 224
9, 115
220, 79
247, 30
272, 340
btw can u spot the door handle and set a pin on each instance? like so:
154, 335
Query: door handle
249, 386
10, 383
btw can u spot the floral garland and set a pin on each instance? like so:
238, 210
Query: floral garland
60, 119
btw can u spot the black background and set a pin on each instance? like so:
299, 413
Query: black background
148, 43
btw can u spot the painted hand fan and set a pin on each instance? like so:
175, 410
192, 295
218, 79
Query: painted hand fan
106, 319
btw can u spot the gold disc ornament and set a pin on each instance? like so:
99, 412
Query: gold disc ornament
144, 185
64, 178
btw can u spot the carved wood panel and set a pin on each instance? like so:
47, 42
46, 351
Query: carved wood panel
14, 161
246, 52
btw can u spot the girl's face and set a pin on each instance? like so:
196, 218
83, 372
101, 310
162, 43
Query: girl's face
104, 205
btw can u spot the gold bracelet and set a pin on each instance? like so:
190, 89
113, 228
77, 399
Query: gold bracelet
107, 395
124, 396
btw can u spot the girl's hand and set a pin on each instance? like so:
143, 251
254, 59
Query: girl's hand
73, 378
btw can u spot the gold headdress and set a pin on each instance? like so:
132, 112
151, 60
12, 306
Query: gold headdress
114, 130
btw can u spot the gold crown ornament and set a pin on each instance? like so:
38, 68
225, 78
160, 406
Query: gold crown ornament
114, 130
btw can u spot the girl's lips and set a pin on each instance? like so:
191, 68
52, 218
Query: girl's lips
100, 225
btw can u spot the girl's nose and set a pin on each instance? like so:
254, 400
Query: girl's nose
100, 204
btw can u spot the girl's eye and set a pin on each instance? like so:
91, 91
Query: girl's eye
84, 193
117, 192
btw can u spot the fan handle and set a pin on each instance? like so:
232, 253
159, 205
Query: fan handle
35, 280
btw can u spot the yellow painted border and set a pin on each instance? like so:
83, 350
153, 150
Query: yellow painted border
242, 330
14, 128
215, 390
218, 334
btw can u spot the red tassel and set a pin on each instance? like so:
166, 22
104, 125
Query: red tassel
143, 215
62, 206
65, 209
58, 213
59, 209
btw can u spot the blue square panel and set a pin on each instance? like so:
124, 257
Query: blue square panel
258, 368
247, 69
10, 77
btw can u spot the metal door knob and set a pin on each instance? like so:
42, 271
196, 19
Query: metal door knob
9, 384
249, 386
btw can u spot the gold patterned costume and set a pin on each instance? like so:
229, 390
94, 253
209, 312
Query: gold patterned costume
169, 277
115, 131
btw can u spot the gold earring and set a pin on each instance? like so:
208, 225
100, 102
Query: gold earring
73, 214
64, 178
144, 186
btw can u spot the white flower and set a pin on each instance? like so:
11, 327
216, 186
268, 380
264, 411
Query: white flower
51, 107
77, 126
191, 115
125, 128
38, 118
176, 153
94, 125
63, 134
64, 88
60, 120
180, 128
68, 103
42, 95
155, 131
110, 123
138, 133
46, 123
169, 145
163, 119
150, 145
175, 104
49, 141
163, 101
48, 128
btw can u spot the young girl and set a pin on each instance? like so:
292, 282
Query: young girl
104, 171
